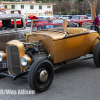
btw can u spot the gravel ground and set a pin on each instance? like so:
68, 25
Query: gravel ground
76, 81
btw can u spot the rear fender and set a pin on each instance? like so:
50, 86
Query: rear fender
94, 43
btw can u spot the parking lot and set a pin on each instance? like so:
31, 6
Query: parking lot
76, 81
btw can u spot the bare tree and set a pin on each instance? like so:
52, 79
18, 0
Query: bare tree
77, 7
62, 6
93, 4
66, 6
56, 8
85, 7
98, 7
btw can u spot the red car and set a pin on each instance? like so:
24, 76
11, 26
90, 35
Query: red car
77, 20
45, 24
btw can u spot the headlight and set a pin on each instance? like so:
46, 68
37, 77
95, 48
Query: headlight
1, 57
25, 60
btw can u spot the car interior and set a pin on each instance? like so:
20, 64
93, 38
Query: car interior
9, 24
6, 24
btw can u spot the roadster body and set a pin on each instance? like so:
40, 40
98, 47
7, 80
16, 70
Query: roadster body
45, 50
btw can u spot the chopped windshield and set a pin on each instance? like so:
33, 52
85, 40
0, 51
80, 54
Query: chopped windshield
55, 25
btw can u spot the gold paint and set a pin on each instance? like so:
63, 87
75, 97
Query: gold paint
64, 48
4, 55
29, 59
47, 42
20, 48
26, 35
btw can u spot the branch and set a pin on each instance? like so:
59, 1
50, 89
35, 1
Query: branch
89, 3
95, 3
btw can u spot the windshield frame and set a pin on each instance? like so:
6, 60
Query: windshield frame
64, 25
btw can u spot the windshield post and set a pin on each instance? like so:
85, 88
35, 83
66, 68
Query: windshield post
31, 26
65, 26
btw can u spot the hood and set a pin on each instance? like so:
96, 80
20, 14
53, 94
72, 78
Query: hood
53, 35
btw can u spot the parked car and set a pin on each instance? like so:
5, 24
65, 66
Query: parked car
45, 24
28, 22
77, 20
89, 16
12, 27
68, 17
46, 17
46, 50
2, 12
57, 16
99, 19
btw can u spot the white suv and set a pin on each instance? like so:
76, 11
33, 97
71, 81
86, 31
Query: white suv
68, 17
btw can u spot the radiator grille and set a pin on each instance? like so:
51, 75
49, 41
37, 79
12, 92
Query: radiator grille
13, 60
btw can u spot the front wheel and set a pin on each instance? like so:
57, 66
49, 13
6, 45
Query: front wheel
40, 75
96, 54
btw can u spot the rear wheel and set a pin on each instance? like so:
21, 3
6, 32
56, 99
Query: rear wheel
40, 75
96, 54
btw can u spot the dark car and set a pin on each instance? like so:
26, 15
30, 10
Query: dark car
12, 26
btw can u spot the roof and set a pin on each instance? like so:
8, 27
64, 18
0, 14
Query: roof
5, 16
32, 17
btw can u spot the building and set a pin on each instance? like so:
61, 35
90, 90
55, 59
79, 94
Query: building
27, 8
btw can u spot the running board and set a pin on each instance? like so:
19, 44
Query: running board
70, 61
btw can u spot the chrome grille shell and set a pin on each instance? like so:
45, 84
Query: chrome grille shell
13, 60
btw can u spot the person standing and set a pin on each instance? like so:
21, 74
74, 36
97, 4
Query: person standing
92, 26
96, 23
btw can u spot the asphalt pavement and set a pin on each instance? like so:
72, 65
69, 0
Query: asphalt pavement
76, 81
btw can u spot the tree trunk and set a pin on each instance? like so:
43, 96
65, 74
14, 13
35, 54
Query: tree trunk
93, 4
93, 12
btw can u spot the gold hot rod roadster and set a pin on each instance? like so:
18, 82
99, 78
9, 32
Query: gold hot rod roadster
45, 50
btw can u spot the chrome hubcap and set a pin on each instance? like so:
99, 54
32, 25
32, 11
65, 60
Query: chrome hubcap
43, 75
